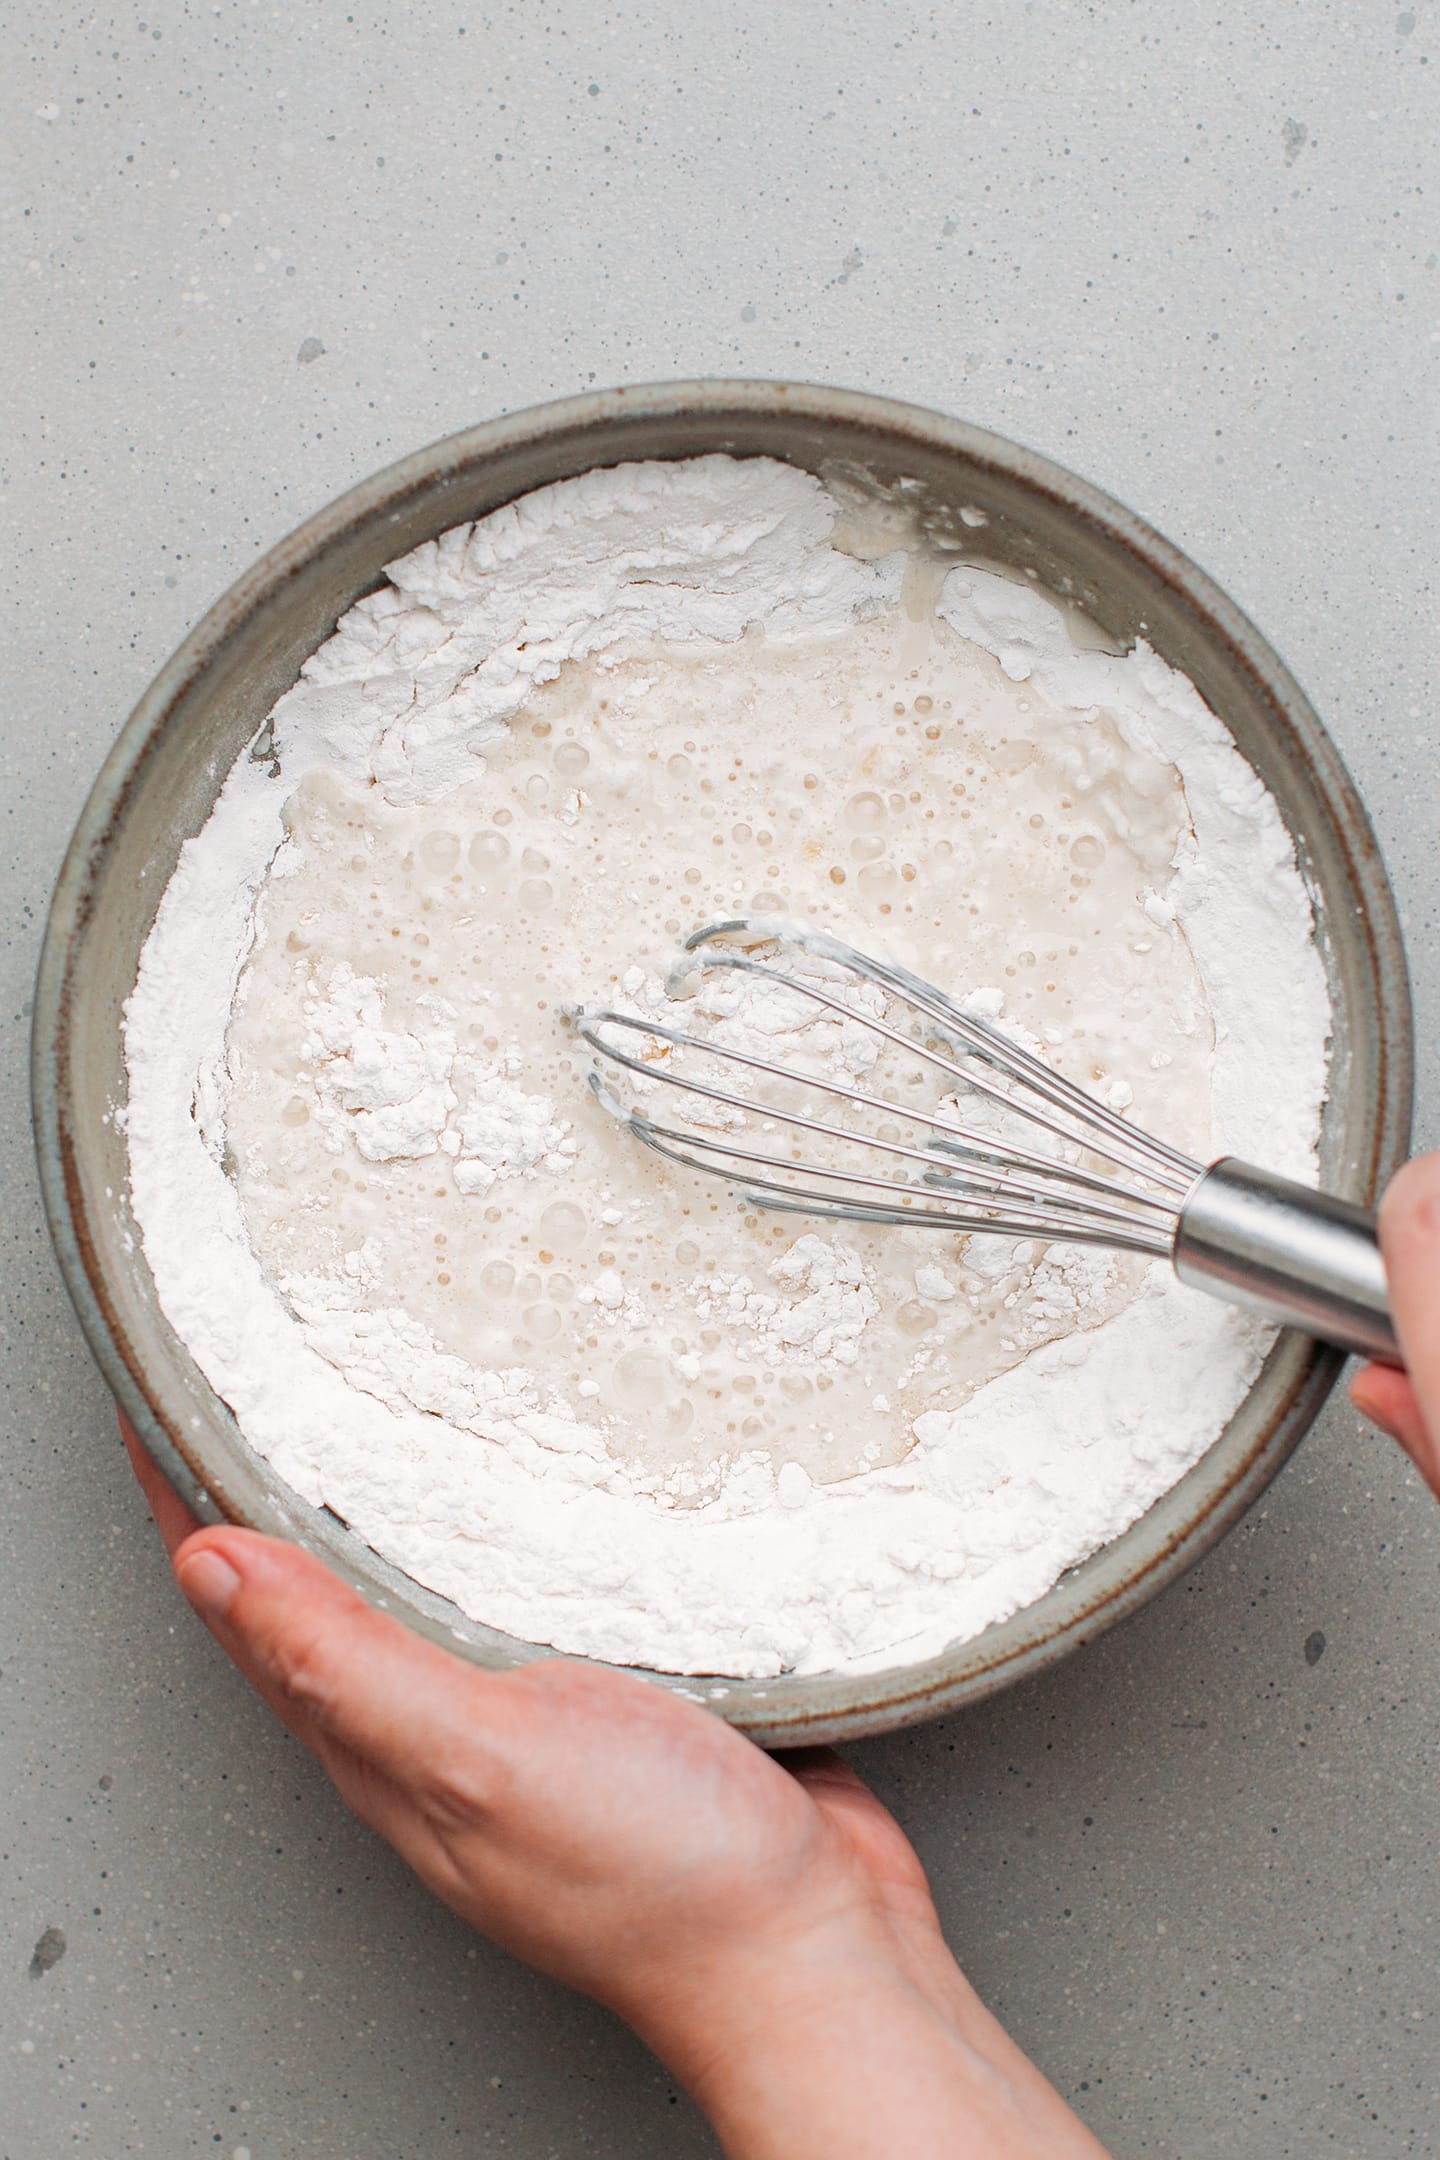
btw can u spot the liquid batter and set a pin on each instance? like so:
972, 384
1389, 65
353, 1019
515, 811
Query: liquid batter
408, 1119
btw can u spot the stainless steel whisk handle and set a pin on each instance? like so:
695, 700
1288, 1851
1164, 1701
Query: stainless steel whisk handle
1302, 1258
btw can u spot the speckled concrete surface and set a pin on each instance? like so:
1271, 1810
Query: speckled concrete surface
253, 252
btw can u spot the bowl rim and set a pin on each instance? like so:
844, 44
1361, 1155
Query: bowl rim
850, 1702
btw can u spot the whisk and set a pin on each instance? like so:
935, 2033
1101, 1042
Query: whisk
1301, 1258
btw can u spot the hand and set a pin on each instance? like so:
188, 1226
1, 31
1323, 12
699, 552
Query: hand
766, 1928
1407, 1405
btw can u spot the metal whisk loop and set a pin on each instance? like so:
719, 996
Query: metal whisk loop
968, 1180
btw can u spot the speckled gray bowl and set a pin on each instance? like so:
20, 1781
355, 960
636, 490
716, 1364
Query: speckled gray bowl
161, 778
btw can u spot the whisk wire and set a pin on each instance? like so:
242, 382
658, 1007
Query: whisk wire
1165, 1164
969, 1180
957, 1141
990, 1213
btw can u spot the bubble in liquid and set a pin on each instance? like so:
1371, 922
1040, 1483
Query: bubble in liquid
877, 880
561, 1289
296, 1111
532, 859
440, 851
867, 847
678, 767
914, 1318
687, 1252
542, 1322
562, 1224
535, 895
865, 810
571, 760
487, 851
497, 1278
640, 1380
1087, 853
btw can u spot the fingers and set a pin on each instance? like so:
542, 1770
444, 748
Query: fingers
1388, 1400
386, 1712
343, 1675
173, 1519
1410, 1242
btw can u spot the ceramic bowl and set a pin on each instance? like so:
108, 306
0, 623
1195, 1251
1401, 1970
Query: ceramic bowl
159, 783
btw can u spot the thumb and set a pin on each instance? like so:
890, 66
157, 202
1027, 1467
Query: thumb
341, 1675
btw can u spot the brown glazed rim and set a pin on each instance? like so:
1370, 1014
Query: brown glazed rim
570, 436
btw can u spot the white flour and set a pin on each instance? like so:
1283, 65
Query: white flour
393, 1095
563, 1385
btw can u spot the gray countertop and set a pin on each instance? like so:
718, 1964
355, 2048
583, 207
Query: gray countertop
252, 253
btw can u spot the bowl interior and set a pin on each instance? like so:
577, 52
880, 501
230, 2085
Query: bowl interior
208, 703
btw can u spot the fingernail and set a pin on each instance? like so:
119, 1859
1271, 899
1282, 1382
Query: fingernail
209, 1582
